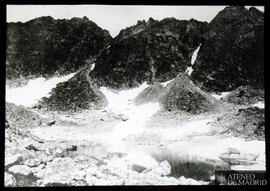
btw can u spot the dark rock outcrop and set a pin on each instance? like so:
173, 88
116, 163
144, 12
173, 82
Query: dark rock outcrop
183, 94
44, 46
75, 94
232, 52
150, 94
245, 95
149, 51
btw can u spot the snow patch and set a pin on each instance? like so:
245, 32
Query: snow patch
193, 59
166, 83
122, 100
221, 95
35, 89
259, 104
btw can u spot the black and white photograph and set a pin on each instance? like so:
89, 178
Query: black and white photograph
128, 95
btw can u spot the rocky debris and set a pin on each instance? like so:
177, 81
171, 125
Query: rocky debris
163, 169
231, 56
33, 162
45, 46
245, 95
22, 117
150, 51
56, 172
183, 94
10, 180
52, 165
75, 94
248, 122
149, 94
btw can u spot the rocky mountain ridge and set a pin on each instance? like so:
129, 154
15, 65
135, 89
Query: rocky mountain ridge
45, 46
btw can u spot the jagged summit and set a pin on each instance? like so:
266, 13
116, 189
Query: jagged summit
153, 52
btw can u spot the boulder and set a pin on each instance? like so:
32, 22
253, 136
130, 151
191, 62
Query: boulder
20, 169
56, 172
13, 159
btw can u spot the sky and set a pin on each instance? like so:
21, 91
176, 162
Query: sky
112, 17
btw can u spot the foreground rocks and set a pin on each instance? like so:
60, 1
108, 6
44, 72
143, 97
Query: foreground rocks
58, 164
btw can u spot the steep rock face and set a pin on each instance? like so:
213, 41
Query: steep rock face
76, 93
183, 94
43, 46
232, 53
150, 51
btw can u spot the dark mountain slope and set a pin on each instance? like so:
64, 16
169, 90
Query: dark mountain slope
232, 54
149, 51
43, 46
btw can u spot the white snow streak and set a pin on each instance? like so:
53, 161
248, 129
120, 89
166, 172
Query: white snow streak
259, 104
35, 89
221, 95
193, 59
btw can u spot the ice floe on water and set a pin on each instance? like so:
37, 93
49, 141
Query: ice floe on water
34, 90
